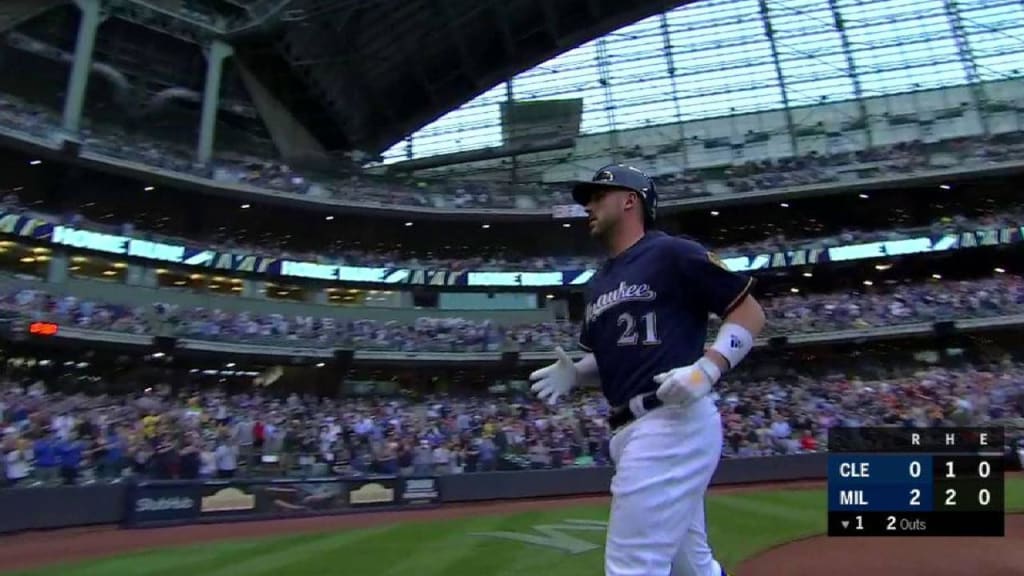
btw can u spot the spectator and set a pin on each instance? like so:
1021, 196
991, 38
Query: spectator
16, 460
191, 458
69, 453
442, 459
165, 461
226, 456
423, 460
808, 443
207, 461
47, 459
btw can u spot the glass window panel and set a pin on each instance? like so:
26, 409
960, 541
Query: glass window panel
723, 63
810, 50
646, 114
995, 32
909, 79
899, 44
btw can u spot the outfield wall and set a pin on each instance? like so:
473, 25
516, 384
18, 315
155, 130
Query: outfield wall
164, 503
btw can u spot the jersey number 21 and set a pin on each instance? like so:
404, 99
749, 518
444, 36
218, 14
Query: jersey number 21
630, 333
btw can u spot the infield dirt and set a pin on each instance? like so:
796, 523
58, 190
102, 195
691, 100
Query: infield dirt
823, 556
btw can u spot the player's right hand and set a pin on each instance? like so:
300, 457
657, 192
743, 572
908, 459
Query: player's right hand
556, 380
685, 384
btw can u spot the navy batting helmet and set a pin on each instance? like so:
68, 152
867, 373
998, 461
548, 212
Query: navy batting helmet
618, 176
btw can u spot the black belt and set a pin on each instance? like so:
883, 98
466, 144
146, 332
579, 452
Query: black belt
623, 415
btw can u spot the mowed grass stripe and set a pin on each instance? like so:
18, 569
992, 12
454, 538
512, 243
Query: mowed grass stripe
417, 548
741, 525
161, 562
802, 508
213, 559
274, 560
1015, 494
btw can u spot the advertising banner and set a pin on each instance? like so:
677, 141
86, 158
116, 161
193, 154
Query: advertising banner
373, 492
271, 498
168, 503
420, 491
298, 498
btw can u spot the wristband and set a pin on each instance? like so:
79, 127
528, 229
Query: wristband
733, 343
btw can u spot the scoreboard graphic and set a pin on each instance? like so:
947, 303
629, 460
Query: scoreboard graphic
915, 482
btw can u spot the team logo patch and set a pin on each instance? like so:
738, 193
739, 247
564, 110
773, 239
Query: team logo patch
716, 260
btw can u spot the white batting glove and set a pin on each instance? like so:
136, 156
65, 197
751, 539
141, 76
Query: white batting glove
687, 384
556, 380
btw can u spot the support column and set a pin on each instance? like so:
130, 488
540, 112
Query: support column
963, 47
254, 289
510, 99
851, 70
670, 61
604, 77
319, 297
216, 53
293, 141
78, 82
766, 20
57, 267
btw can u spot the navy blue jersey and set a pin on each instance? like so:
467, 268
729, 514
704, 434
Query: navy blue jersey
647, 311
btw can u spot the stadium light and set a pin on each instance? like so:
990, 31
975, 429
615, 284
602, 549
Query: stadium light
485, 226
566, 225
946, 187
320, 364
1000, 271
36, 162
407, 224
808, 274
937, 276
784, 205
794, 290
869, 283
230, 365
329, 218
149, 188
244, 206
714, 212
863, 196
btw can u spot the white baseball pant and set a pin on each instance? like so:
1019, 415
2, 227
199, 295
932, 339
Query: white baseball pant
664, 461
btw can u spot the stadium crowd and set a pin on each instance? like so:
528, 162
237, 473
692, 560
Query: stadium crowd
794, 313
813, 168
49, 437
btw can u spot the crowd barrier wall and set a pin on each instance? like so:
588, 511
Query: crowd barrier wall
60, 507
586, 481
163, 503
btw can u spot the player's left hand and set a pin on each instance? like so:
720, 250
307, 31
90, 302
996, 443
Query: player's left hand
686, 384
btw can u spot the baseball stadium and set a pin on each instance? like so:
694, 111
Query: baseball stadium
505, 287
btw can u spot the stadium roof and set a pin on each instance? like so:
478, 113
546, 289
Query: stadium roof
363, 74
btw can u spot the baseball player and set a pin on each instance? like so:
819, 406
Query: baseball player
644, 332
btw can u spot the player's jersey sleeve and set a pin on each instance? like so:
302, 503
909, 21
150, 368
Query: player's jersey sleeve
709, 281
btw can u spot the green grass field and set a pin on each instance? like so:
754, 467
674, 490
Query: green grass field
741, 525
